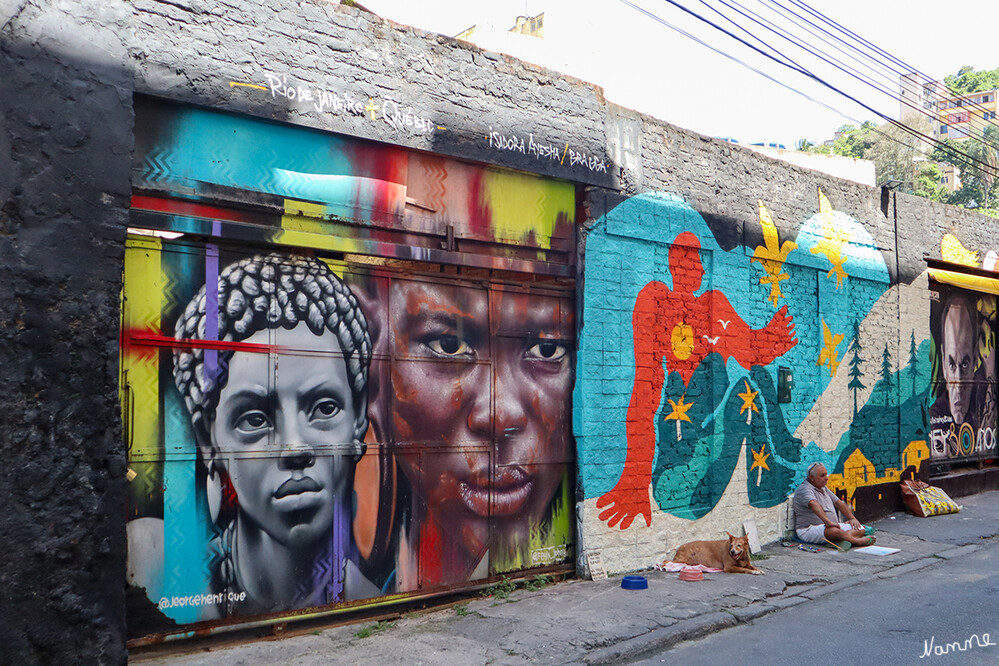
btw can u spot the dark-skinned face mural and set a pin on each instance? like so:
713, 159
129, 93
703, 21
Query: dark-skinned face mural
285, 372
477, 412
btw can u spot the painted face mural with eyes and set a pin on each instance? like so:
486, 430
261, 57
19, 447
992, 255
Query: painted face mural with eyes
480, 408
272, 365
958, 354
281, 435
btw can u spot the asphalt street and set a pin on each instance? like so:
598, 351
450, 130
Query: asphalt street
914, 618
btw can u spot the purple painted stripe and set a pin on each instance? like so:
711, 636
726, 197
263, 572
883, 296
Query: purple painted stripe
341, 529
212, 303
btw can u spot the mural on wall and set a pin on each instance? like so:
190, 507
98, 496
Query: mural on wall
474, 406
686, 339
310, 429
677, 330
963, 412
963, 325
270, 362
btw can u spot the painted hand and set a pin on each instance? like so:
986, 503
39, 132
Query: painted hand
781, 327
625, 502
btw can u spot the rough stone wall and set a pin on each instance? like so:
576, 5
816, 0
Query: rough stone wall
332, 67
65, 142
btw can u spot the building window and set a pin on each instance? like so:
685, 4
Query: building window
943, 129
989, 115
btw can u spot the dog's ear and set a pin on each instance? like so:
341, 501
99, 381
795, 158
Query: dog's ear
730, 537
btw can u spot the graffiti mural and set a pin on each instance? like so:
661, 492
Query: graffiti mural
675, 330
963, 411
686, 339
475, 412
317, 414
277, 414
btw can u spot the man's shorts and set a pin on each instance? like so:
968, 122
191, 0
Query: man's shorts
817, 533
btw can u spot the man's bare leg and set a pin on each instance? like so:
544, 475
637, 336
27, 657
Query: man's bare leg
855, 537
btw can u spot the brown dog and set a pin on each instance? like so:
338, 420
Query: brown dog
732, 555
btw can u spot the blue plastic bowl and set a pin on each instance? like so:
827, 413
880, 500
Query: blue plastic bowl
635, 583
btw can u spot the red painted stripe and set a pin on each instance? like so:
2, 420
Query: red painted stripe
189, 208
150, 340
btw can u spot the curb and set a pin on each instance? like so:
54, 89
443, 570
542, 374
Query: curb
908, 568
665, 637
836, 587
957, 552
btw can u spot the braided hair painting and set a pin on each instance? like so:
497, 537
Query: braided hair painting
269, 292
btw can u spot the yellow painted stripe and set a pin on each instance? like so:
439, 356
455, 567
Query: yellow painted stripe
974, 282
141, 310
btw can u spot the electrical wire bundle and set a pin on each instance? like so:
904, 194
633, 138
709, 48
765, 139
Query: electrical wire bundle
799, 29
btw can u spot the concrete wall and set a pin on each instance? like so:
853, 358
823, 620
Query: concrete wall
64, 158
65, 142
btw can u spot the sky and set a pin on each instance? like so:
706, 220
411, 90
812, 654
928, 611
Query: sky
647, 66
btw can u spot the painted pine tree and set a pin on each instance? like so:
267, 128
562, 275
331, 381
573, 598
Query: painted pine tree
913, 364
855, 371
886, 373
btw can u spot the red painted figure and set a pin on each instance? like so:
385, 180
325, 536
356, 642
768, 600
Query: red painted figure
683, 329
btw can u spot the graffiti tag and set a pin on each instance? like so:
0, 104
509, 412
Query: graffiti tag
389, 111
200, 600
549, 554
545, 151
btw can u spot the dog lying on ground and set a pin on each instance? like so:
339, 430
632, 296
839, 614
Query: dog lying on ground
731, 555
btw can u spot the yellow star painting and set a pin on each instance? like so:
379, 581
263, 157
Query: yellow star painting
749, 402
772, 255
679, 413
828, 354
680, 408
834, 238
748, 399
759, 463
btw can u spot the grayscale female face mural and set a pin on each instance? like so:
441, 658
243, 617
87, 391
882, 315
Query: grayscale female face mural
275, 384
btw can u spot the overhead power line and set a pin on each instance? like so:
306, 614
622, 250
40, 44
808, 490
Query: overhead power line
790, 64
829, 60
905, 67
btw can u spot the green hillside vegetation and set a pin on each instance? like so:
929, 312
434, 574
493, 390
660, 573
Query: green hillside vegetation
897, 155
967, 80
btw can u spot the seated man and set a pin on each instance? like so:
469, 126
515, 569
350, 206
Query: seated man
815, 518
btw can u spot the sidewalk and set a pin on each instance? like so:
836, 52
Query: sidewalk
596, 622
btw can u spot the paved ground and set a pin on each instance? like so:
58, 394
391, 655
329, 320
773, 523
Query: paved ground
941, 612
595, 622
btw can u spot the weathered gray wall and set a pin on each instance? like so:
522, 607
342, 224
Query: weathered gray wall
206, 52
65, 142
